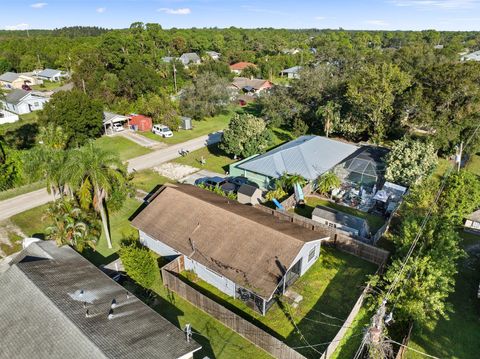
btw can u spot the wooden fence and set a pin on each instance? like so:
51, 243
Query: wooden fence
241, 326
344, 241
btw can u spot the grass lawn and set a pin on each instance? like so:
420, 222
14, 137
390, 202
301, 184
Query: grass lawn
331, 286
32, 222
459, 335
48, 86
442, 167
200, 128
374, 221
125, 148
473, 164
147, 180
29, 117
16, 244
13, 192
216, 160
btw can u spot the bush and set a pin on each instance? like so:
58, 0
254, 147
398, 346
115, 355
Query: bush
139, 262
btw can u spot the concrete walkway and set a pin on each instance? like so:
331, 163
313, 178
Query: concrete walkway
24, 202
140, 140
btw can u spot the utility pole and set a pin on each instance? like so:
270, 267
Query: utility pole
459, 156
174, 77
83, 85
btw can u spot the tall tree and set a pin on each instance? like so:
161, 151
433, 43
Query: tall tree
77, 114
93, 174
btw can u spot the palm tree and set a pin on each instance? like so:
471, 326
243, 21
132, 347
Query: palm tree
71, 225
328, 181
331, 116
93, 173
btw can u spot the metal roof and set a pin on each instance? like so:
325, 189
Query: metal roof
48, 73
292, 70
309, 156
189, 57
46, 292
9, 76
342, 218
16, 96
109, 117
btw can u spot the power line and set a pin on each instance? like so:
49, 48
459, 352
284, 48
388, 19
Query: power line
298, 330
319, 344
415, 350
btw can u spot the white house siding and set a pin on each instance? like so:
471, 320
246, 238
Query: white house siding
27, 106
157, 246
304, 255
221, 283
8, 117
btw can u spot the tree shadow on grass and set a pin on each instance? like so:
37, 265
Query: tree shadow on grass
97, 258
22, 137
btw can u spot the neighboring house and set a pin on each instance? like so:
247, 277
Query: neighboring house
52, 75
472, 223
56, 304
168, 59
308, 156
22, 102
474, 56
190, 58
213, 55
140, 122
251, 86
240, 66
247, 194
110, 118
340, 220
243, 251
438, 47
12, 80
7, 117
293, 51
292, 72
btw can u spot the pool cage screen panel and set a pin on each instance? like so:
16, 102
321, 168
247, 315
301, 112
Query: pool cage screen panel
358, 170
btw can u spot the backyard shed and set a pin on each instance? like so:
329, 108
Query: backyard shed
186, 123
249, 195
141, 123
472, 223
340, 220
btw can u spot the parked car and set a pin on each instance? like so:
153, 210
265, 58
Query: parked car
162, 130
117, 127
212, 182
240, 180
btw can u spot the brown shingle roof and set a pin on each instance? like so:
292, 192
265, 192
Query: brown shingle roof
244, 244
241, 65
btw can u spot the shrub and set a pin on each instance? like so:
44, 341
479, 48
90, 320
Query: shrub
139, 262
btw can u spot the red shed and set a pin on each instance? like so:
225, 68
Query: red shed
141, 122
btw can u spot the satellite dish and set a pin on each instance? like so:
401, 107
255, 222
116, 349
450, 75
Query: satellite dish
27, 241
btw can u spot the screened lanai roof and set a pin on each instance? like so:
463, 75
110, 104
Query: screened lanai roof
366, 166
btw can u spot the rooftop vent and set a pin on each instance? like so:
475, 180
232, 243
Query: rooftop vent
110, 314
114, 303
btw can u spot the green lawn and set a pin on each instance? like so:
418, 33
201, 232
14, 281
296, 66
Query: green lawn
374, 221
459, 335
13, 192
30, 117
48, 86
147, 180
216, 160
32, 222
331, 286
474, 164
125, 148
442, 167
200, 128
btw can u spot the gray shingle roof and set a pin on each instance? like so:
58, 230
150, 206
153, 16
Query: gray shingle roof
9, 76
49, 73
475, 216
339, 217
43, 312
16, 96
308, 156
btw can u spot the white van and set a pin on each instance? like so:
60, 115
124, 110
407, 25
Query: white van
162, 130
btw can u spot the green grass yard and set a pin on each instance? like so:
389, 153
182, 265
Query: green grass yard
216, 160
147, 180
200, 128
374, 221
331, 286
48, 86
125, 148
473, 164
33, 221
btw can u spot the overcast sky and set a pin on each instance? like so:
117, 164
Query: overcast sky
348, 14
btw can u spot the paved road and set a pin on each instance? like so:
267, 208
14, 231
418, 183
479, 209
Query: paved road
34, 199
171, 152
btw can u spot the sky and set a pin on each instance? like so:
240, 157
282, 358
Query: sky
348, 14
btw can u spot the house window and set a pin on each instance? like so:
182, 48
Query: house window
311, 254
35, 104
